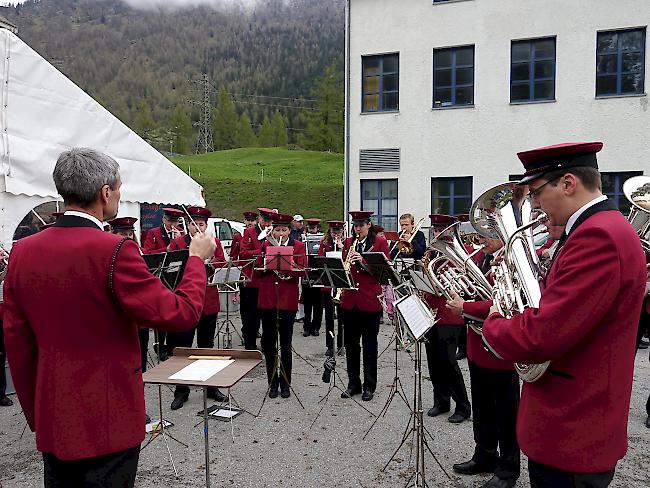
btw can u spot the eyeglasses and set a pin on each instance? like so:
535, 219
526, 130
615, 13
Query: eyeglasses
535, 192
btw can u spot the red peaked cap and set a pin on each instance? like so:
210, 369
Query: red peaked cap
199, 212
360, 216
123, 223
281, 219
312, 221
173, 213
335, 224
267, 213
250, 215
463, 218
538, 162
442, 219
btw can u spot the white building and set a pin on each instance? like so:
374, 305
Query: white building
442, 94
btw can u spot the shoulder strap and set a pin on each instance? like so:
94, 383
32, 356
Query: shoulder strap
112, 268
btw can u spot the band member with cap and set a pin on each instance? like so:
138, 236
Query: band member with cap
250, 219
495, 391
418, 241
75, 357
157, 239
251, 249
312, 298
572, 422
207, 324
278, 304
333, 241
361, 307
446, 377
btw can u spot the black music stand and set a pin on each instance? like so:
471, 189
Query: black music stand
381, 268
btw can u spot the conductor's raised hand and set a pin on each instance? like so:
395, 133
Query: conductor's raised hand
202, 245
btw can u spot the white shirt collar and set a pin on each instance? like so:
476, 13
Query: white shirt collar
84, 215
572, 220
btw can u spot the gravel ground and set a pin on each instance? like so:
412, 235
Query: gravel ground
286, 445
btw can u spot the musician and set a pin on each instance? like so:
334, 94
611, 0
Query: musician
495, 392
418, 241
250, 219
442, 343
75, 357
251, 249
312, 298
207, 324
333, 241
361, 307
298, 227
572, 423
278, 304
157, 239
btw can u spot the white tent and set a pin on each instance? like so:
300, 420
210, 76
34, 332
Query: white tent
44, 113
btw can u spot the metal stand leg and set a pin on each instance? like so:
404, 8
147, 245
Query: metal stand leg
205, 435
228, 324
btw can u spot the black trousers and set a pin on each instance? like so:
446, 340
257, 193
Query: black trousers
204, 330
361, 326
462, 339
495, 399
274, 321
546, 477
3, 359
328, 306
312, 301
115, 470
446, 378
143, 336
250, 317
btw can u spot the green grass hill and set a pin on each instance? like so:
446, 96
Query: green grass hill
293, 181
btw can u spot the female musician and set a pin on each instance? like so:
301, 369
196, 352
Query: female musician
361, 307
333, 241
278, 303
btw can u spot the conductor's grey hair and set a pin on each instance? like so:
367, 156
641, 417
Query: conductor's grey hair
81, 172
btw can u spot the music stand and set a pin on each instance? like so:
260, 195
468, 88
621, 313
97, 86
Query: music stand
244, 363
381, 268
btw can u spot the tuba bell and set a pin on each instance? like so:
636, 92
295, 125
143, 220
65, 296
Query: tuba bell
504, 213
637, 191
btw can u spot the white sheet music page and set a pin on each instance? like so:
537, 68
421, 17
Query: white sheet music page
418, 319
201, 369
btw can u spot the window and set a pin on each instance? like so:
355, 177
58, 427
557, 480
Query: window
451, 196
532, 70
380, 196
380, 83
453, 76
620, 62
613, 188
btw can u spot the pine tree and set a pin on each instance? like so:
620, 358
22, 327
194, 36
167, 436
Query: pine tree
265, 135
225, 122
180, 126
280, 138
245, 136
324, 124
144, 123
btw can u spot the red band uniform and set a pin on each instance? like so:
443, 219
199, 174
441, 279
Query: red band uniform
333, 241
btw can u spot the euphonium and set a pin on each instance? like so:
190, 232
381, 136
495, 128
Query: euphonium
347, 265
503, 212
637, 191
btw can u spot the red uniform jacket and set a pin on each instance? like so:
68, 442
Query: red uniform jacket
324, 248
251, 248
212, 303
574, 418
275, 292
365, 298
72, 339
156, 241
235, 246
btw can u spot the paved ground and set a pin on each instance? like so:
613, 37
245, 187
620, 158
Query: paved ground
288, 446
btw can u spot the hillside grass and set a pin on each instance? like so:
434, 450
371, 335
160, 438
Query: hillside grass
293, 181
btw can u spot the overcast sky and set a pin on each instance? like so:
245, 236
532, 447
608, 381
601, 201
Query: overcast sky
157, 3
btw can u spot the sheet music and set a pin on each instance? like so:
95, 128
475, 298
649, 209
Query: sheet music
334, 254
201, 369
416, 316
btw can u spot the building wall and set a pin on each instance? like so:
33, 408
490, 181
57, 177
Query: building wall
482, 141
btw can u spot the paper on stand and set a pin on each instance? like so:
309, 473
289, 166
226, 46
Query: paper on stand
418, 318
201, 369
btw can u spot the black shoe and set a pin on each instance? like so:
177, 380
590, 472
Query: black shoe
6, 402
496, 482
217, 395
472, 467
367, 395
179, 400
315, 332
305, 333
435, 411
330, 352
299, 320
458, 418
647, 422
460, 355
350, 392
285, 392
163, 356
643, 345
273, 392
147, 419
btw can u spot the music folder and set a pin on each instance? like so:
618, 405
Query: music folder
381, 268
279, 258
168, 266
329, 272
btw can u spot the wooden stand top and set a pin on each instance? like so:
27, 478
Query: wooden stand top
244, 363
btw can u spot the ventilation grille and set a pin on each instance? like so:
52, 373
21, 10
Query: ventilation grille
376, 160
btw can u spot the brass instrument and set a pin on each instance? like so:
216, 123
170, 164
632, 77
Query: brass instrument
405, 247
503, 212
637, 191
347, 265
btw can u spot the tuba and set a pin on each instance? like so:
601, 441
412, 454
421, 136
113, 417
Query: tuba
450, 269
637, 191
504, 213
